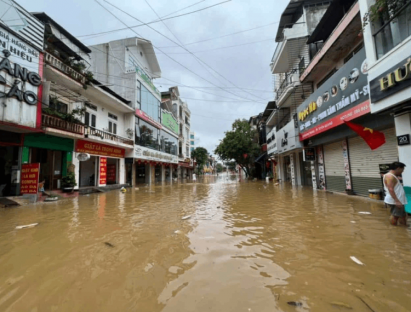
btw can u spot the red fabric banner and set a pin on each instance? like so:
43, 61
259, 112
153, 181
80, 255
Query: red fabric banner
373, 138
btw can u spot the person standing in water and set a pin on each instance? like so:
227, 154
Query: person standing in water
194, 177
395, 197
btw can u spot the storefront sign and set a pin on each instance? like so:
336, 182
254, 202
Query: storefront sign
336, 97
348, 185
403, 139
169, 121
353, 113
103, 171
99, 149
397, 78
309, 154
292, 168
287, 138
20, 78
272, 142
30, 178
144, 153
149, 119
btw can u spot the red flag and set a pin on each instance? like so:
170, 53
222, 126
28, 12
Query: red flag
373, 138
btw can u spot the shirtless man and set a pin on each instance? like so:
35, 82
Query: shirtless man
395, 195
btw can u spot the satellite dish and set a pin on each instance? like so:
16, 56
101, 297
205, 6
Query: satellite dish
83, 157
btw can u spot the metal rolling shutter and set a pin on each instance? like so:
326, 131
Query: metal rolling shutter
334, 167
365, 163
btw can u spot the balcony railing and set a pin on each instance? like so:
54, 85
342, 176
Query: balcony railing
60, 124
291, 78
64, 68
104, 135
394, 31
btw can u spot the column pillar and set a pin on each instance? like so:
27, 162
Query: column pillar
133, 174
403, 127
163, 173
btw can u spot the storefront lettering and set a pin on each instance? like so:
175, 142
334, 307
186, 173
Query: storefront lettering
398, 75
99, 149
312, 107
21, 74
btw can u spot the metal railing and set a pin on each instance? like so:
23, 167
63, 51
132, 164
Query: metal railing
394, 31
104, 135
60, 124
64, 68
289, 79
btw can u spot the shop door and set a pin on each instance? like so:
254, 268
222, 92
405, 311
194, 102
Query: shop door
51, 166
9, 166
88, 172
365, 162
287, 168
306, 172
141, 174
158, 173
334, 167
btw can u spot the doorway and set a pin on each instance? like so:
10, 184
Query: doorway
9, 167
306, 172
140, 174
51, 167
88, 172
112, 171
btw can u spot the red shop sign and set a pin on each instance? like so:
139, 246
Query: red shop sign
355, 112
103, 170
149, 119
30, 178
99, 149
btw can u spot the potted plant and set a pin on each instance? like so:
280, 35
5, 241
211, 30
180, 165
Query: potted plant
68, 182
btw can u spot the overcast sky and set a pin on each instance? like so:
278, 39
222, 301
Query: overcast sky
245, 66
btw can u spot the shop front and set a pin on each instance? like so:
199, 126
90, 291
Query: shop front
100, 164
10, 151
344, 162
54, 154
289, 148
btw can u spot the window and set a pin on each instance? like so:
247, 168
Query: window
301, 66
146, 134
58, 106
112, 127
168, 143
112, 116
187, 152
149, 104
192, 136
192, 143
138, 94
90, 119
391, 31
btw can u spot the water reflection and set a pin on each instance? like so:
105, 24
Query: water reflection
246, 246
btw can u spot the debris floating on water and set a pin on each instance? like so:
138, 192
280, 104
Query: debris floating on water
295, 304
123, 190
356, 260
19, 227
365, 212
178, 232
186, 217
341, 305
108, 244
353, 222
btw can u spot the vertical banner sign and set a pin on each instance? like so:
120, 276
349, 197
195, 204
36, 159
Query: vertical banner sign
321, 171
292, 169
313, 175
30, 178
347, 171
103, 170
111, 173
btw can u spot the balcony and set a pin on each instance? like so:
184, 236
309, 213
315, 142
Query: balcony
290, 81
64, 68
104, 135
393, 32
60, 124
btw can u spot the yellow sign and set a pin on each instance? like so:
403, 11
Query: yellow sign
398, 75
312, 107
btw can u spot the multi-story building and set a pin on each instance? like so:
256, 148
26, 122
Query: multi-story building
130, 66
182, 113
336, 158
192, 141
388, 43
291, 57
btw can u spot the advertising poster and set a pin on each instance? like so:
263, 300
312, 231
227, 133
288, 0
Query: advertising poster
321, 170
103, 170
347, 171
30, 178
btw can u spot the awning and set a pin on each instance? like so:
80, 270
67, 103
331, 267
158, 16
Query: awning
185, 165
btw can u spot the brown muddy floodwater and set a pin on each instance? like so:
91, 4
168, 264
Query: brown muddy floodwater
248, 246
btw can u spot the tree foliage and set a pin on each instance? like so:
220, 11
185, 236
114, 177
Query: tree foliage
238, 145
200, 154
219, 167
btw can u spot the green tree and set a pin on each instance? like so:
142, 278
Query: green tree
200, 154
219, 167
238, 145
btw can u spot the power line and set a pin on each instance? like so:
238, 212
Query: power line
152, 22
180, 46
235, 33
185, 67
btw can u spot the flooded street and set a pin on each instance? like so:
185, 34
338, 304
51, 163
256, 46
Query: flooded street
248, 246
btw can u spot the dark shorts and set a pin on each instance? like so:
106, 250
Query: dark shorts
396, 212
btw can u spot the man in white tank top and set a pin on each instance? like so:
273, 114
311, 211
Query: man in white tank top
395, 195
